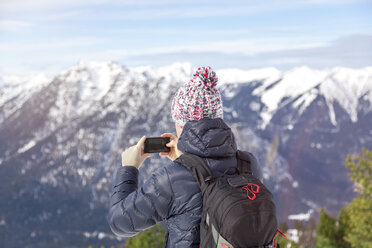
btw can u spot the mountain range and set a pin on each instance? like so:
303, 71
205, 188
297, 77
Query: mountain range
61, 140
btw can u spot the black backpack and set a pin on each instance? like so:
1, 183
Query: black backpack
238, 210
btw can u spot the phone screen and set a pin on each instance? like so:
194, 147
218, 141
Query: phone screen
156, 145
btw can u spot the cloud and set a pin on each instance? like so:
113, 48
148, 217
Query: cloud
220, 32
17, 6
12, 25
242, 46
350, 51
127, 10
9, 47
160, 9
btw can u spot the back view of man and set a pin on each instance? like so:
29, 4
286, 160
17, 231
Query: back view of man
171, 195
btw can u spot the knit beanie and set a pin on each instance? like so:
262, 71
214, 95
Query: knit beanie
198, 98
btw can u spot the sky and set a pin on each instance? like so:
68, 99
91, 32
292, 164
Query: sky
52, 35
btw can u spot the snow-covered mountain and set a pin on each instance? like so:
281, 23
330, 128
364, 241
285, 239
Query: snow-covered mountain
61, 139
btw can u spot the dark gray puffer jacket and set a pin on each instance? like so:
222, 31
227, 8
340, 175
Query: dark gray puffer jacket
171, 195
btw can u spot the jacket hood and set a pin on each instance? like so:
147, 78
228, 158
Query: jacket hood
208, 138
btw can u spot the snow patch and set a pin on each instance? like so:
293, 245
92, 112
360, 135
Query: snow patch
304, 101
293, 234
316, 145
26, 147
302, 216
100, 235
231, 91
295, 184
255, 106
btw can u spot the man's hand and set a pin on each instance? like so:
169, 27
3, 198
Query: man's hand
174, 152
134, 155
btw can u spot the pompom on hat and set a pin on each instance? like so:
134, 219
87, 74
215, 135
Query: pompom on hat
198, 98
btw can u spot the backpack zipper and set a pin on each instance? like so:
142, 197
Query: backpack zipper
220, 199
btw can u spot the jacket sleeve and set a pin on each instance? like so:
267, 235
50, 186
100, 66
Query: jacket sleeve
134, 209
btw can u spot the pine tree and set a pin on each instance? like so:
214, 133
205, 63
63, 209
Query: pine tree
361, 172
343, 227
151, 238
326, 233
360, 209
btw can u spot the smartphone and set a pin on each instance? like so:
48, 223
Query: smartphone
156, 144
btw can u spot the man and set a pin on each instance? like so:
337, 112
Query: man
171, 195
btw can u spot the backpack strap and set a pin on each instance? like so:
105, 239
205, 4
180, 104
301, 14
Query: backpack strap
244, 162
198, 168
202, 173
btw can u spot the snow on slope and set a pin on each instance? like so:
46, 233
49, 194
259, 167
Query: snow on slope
97, 78
292, 83
14, 91
347, 86
82, 86
11, 86
342, 85
100, 86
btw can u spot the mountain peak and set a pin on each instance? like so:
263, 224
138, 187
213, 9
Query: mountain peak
342, 85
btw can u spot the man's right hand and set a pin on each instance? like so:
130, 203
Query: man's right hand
174, 152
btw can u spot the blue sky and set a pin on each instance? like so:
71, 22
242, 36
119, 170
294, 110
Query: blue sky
50, 36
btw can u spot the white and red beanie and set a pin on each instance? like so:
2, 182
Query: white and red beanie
198, 98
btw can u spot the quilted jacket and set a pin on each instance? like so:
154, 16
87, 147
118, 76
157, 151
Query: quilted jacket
171, 195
